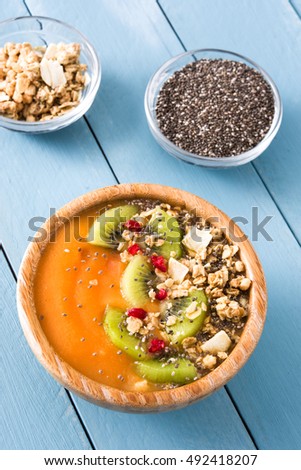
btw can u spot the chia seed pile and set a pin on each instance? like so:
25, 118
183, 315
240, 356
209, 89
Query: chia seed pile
215, 108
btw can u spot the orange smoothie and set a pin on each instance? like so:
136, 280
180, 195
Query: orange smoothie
141, 296
75, 281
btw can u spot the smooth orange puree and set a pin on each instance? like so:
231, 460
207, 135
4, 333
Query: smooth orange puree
75, 281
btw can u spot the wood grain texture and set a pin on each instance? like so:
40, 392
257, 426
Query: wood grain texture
270, 34
109, 397
209, 424
35, 412
44, 172
73, 166
135, 39
269, 404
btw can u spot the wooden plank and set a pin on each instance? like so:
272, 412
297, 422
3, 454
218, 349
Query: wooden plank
270, 35
118, 120
67, 164
12, 9
209, 424
35, 412
267, 390
44, 172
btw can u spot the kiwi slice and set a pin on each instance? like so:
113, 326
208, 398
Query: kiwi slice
136, 280
168, 229
179, 372
106, 228
120, 337
185, 327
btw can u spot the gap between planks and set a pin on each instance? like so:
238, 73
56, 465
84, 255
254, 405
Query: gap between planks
226, 388
81, 422
295, 7
73, 404
118, 181
254, 167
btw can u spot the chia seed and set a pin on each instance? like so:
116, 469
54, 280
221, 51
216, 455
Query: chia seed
215, 108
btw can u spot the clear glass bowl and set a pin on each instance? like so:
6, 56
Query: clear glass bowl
178, 62
41, 31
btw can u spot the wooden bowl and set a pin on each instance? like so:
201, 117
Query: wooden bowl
109, 397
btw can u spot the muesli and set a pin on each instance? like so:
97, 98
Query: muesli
40, 83
154, 297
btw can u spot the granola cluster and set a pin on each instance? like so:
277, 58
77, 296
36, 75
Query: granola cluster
209, 262
40, 83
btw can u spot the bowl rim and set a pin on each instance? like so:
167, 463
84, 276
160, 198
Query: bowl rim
108, 396
245, 156
76, 111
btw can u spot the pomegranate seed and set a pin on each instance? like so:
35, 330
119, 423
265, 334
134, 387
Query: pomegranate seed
159, 262
161, 294
137, 313
134, 249
156, 345
133, 225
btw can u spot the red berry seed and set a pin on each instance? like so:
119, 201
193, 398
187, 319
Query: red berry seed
134, 249
159, 262
156, 345
137, 313
161, 294
133, 225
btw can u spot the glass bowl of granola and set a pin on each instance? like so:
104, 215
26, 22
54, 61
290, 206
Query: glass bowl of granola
156, 299
49, 74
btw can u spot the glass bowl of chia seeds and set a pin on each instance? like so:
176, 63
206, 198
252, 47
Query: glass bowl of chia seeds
213, 108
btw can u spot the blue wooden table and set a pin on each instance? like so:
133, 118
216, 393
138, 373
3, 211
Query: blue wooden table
261, 406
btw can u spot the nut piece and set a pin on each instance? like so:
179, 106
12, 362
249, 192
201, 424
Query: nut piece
229, 251
218, 343
239, 266
197, 239
133, 324
177, 271
209, 361
229, 309
188, 342
171, 320
219, 278
241, 282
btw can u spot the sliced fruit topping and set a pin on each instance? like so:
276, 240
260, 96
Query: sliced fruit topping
134, 249
188, 315
167, 228
137, 313
114, 325
156, 345
159, 262
133, 225
180, 371
136, 280
107, 228
161, 294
